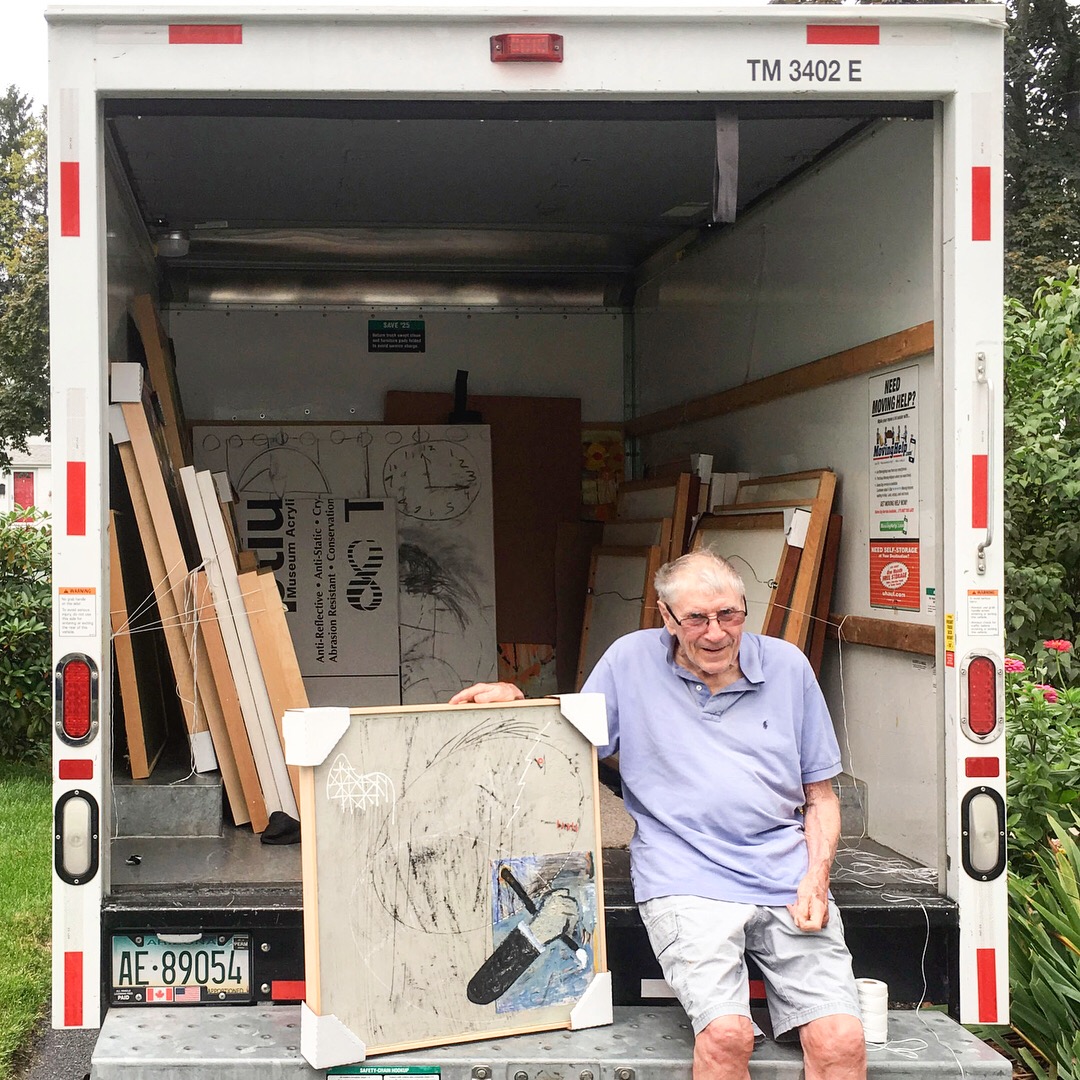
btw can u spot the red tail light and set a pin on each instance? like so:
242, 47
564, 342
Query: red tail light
76, 699
982, 703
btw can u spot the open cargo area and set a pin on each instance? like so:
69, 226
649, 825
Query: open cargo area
564, 255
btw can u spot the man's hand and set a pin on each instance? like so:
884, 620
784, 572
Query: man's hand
484, 693
821, 827
811, 908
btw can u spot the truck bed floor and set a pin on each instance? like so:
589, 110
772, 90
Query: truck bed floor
263, 1043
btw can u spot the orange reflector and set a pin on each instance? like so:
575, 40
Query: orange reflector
982, 695
76, 687
527, 48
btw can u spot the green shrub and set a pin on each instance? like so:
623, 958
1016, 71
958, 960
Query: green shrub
1044, 958
25, 635
1042, 731
1042, 464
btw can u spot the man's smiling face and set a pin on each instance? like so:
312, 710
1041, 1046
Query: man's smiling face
711, 652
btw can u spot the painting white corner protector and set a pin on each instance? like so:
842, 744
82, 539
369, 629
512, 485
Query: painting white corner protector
118, 428
310, 734
224, 487
795, 530
593, 1008
125, 382
588, 713
325, 1041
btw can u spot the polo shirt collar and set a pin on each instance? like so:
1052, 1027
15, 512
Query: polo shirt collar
749, 657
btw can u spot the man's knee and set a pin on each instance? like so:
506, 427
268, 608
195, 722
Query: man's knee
727, 1040
834, 1042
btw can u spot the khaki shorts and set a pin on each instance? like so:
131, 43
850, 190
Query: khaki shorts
701, 943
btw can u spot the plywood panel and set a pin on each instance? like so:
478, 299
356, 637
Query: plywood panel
435, 834
144, 727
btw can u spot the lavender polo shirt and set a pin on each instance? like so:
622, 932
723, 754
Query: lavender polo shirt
715, 781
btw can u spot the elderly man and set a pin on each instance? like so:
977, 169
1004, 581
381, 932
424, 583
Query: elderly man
726, 753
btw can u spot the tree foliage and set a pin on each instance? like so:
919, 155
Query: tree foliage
24, 304
1042, 142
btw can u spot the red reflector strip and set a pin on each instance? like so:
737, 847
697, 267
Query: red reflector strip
205, 34
980, 202
287, 990
980, 491
831, 34
69, 198
985, 961
76, 769
76, 498
757, 989
982, 766
73, 989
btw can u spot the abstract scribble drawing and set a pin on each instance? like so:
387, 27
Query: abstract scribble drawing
359, 791
439, 571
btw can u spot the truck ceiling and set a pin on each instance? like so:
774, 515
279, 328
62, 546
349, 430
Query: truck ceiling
523, 187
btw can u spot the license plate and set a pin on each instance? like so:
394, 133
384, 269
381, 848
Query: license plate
180, 969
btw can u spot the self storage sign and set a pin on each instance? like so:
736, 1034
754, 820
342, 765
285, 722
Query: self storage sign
894, 490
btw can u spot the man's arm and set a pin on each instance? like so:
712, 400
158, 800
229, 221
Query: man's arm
822, 829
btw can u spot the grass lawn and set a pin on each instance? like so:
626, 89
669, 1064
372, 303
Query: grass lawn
25, 888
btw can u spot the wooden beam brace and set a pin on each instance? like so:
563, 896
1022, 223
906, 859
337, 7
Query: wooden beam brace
883, 633
915, 341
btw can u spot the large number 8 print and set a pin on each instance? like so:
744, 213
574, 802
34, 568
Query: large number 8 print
364, 593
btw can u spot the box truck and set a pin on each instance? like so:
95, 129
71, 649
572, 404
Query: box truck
770, 234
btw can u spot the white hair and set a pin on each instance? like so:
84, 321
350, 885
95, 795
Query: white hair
703, 568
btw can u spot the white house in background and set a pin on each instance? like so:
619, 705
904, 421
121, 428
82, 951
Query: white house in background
29, 481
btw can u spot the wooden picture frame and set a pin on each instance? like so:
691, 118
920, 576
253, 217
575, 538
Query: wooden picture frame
815, 489
756, 545
434, 836
621, 599
638, 532
666, 496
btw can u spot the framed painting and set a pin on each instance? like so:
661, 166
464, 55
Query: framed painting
452, 873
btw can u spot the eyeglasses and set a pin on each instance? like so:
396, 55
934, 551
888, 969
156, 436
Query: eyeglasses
696, 620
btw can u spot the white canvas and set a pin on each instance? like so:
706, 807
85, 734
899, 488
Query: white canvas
439, 479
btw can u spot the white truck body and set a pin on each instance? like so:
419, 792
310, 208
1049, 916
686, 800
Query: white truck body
871, 150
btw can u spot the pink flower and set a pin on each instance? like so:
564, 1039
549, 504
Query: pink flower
1014, 667
1048, 692
1057, 645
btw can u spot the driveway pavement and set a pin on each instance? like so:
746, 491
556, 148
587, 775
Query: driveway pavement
57, 1055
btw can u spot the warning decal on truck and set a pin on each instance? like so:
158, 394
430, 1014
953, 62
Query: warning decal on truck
76, 612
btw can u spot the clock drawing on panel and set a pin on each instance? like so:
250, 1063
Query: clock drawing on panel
431, 481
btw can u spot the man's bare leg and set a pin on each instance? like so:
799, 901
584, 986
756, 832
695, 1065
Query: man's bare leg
722, 1051
834, 1048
